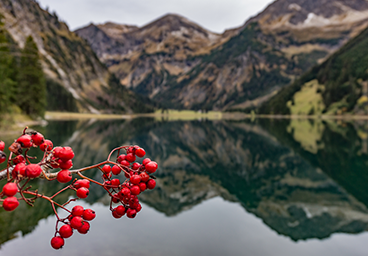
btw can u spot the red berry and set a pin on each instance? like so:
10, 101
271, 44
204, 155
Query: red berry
76, 222
64, 176
142, 186
19, 169
130, 157
2, 145
125, 191
121, 158
115, 214
82, 192
130, 150
10, 189
33, 171
136, 166
138, 208
66, 231
56, 151
85, 228
46, 145
89, 214
57, 242
77, 210
10, 203
116, 170
146, 161
37, 138
115, 182
106, 168
135, 179
151, 167
107, 175
66, 153
125, 163
131, 213
144, 177
120, 210
25, 141
65, 164
140, 152
151, 184
135, 190
19, 159
81, 183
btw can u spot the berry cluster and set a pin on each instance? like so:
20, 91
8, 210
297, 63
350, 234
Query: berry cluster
20, 169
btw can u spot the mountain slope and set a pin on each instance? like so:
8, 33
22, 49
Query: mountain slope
243, 67
340, 84
73, 71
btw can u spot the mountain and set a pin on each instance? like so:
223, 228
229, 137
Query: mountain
76, 79
180, 64
337, 86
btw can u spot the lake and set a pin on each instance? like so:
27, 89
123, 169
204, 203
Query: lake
225, 187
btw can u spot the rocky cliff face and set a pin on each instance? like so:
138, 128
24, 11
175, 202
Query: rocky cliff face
67, 60
181, 65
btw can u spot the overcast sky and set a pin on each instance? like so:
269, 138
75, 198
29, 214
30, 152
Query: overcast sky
215, 15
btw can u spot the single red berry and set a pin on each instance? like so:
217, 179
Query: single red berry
77, 210
65, 164
135, 179
130, 150
10, 189
19, 169
115, 214
47, 145
151, 184
135, 190
144, 177
19, 159
2, 145
120, 210
89, 214
56, 151
106, 168
82, 192
25, 141
115, 198
151, 167
116, 170
37, 138
76, 222
10, 203
125, 163
140, 152
66, 153
146, 161
66, 231
33, 171
81, 183
136, 166
138, 208
142, 186
130, 157
64, 176
85, 228
57, 242
131, 213
115, 182
121, 158
125, 191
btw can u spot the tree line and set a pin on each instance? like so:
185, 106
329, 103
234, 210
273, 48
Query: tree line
22, 81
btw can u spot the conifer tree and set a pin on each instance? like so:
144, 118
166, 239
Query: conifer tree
31, 81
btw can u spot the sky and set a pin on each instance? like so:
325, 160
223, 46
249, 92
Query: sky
214, 15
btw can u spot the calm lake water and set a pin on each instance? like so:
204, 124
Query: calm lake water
267, 187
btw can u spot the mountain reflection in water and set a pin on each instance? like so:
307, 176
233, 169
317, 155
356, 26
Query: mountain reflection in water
304, 179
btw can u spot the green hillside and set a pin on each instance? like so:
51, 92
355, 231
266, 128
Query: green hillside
340, 83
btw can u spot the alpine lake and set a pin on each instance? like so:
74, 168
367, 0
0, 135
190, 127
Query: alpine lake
224, 187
